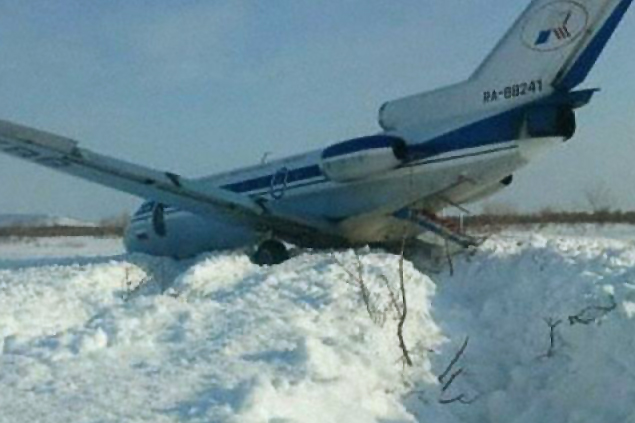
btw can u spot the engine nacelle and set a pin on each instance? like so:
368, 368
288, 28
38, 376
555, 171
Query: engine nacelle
363, 157
551, 121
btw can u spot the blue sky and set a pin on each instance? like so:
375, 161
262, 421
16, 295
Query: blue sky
198, 87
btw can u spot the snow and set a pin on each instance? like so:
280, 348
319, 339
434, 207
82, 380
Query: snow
88, 333
39, 220
25, 252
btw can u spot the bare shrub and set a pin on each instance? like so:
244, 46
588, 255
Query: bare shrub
592, 314
398, 302
376, 313
599, 197
131, 283
449, 376
400, 307
587, 316
553, 325
499, 209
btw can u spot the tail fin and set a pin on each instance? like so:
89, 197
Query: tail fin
551, 47
557, 42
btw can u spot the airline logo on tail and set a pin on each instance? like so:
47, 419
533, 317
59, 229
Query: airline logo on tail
555, 25
562, 32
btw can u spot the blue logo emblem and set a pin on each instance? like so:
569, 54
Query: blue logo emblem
561, 32
555, 25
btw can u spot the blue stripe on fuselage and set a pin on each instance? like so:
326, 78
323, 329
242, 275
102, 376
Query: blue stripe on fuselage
360, 144
173, 210
494, 130
264, 182
501, 128
463, 156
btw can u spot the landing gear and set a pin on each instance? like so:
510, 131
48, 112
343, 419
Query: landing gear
270, 253
158, 220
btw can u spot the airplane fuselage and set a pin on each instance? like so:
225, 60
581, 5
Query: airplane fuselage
297, 185
437, 149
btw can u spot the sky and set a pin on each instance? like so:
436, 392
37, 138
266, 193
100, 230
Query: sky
198, 87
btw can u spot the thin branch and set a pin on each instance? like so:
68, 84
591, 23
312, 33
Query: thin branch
451, 380
391, 293
594, 313
376, 315
553, 325
404, 308
455, 360
462, 399
345, 269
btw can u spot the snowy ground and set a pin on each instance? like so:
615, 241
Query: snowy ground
39, 220
88, 334
40, 251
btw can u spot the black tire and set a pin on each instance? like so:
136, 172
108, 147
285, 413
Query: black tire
270, 253
158, 220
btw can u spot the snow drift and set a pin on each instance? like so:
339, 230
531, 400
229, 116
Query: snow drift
115, 338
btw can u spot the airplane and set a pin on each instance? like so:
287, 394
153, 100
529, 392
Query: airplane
436, 150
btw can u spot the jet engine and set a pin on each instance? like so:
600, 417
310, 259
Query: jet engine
551, 121
361, 158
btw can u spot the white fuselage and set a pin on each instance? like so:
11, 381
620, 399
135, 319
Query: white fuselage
356, 207
447, 147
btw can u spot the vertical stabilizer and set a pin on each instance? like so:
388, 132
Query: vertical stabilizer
551, 47
557, 42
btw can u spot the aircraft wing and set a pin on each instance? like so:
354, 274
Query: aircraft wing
65, 155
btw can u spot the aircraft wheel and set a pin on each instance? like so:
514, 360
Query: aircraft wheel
270, 253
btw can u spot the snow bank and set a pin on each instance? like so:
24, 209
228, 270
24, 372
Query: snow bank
138, 339
227, 341
503, 297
